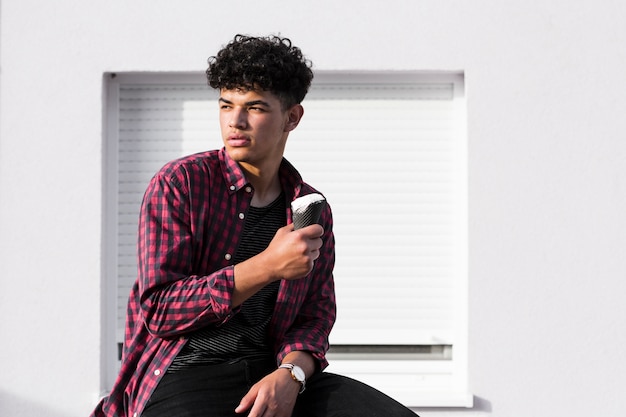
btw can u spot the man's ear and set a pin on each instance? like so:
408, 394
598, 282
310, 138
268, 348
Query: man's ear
294, 116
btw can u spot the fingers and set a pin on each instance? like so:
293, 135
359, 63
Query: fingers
312, 231
292, 253
242, 407
259, 410
313, 237
247, 401
273, 396
259, 405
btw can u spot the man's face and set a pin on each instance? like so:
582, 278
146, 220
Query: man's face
254, 126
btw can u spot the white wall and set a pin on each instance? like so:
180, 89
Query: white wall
547, 105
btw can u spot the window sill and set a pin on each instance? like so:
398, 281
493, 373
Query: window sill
413, 383
435, 399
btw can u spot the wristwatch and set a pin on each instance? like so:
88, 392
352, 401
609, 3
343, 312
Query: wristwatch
296, 373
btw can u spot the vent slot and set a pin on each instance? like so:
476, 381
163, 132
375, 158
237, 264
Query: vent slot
390, 352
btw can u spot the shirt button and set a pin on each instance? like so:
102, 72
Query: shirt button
232, 188
241, 216
227, 256
134, 414
248, 189
157, 372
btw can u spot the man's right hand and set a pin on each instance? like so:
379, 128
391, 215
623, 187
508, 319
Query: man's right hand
290, 255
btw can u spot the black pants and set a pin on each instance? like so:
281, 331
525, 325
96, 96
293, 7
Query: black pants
215, 391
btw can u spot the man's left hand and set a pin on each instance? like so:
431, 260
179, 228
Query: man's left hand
273, 396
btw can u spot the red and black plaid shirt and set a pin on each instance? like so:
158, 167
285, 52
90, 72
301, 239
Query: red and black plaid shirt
191, 221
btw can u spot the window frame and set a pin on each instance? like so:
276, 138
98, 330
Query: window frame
398, 374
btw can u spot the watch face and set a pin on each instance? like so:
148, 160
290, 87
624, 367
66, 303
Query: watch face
298, 373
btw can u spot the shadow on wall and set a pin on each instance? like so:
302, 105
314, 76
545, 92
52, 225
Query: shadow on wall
481, 404
13, 406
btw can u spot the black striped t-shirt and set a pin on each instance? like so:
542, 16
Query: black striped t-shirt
245, 334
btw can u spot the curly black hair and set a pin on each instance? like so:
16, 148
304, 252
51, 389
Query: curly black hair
267, 63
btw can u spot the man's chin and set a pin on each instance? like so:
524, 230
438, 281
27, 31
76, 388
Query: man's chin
238, 154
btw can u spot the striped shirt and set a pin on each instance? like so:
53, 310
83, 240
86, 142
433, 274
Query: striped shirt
245, 335
190, 227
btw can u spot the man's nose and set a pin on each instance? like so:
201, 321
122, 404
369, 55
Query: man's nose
238, 119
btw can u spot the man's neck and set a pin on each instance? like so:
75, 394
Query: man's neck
266, 184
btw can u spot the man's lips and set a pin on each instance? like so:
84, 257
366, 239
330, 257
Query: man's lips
238, 140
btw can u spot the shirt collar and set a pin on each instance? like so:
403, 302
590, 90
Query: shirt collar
235, 178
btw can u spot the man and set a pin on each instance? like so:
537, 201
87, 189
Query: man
232, 308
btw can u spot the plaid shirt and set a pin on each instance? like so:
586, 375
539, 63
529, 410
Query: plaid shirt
191, 221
